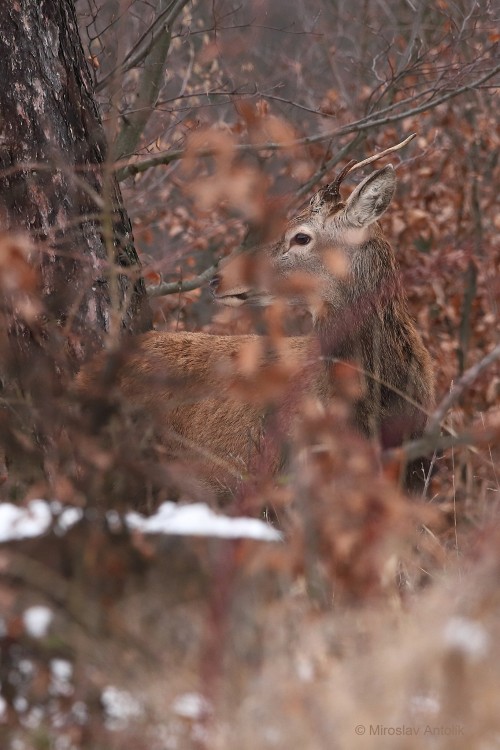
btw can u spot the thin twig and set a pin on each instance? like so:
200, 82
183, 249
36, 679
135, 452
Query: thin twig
431, 439
173, 287
139, 52
366, 123
461, 385
428, 443
149, 86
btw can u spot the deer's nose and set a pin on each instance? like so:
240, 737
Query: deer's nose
214, 283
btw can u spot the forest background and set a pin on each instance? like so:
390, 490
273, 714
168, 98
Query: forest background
195, 121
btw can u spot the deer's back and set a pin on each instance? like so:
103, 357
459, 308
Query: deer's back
205, 396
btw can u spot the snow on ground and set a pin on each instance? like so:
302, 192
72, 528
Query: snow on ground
38, 516
20, 522
37, 621
468, 636
199, 520
120, 707
61, 676
191, 706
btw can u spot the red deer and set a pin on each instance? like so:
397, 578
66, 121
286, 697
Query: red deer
334, 258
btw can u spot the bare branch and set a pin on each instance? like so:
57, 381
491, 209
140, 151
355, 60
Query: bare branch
431, 440
427, 444
462, 384
367, 123
296, 105
149, 85
176, 287
163, 22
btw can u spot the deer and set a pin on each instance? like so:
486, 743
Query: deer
208, 397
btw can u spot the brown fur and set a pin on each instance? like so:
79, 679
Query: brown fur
209, 404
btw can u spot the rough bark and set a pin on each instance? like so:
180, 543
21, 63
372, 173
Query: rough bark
54, 178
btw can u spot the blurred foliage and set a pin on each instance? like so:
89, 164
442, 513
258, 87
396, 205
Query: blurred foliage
378, 612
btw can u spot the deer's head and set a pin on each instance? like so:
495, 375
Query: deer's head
331, 253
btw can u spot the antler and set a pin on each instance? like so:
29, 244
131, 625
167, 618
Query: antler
331, 192
352, 166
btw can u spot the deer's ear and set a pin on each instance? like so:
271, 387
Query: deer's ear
371, 198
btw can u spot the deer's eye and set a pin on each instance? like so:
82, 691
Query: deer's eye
301, 238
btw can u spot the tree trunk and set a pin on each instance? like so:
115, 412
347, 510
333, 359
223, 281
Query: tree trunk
55, 181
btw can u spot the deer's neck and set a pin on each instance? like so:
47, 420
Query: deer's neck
338, 335
364, 329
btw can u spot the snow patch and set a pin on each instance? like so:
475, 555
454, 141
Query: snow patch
425, 704
26, 667
68, 517
22, 522
20, 704
197, 519
80, 713
468, 636
37, 621
120, 707
304, 668
200, 520
34, 718
61, 674
191, 706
